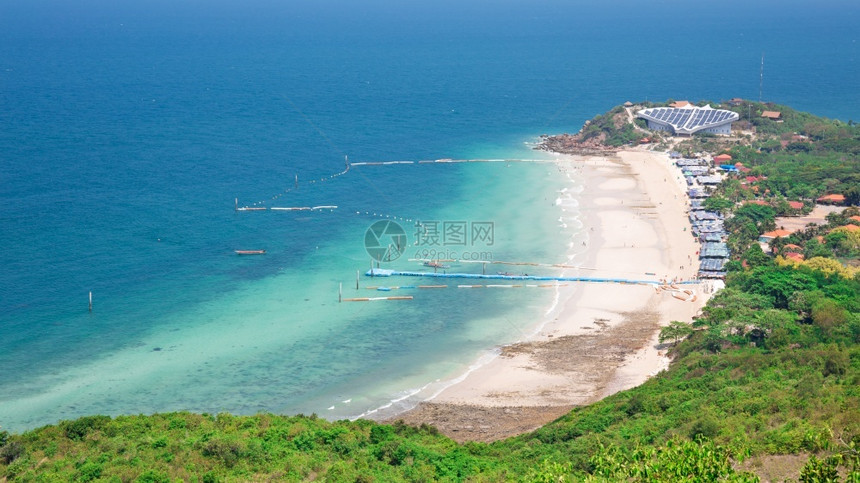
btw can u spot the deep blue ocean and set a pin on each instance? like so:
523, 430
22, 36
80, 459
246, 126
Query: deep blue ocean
128, 130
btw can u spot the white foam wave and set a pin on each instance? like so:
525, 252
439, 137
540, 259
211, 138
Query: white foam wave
412, 397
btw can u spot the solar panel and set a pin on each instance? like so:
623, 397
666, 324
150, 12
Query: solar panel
688, 120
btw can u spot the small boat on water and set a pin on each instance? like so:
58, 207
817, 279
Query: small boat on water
435, 264
250, 252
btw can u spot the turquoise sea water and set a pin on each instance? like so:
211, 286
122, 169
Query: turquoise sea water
127, 132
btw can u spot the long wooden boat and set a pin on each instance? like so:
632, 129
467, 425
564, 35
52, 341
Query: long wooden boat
250, 252
435, 264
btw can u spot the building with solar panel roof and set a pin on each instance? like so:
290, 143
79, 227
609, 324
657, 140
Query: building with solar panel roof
689, 119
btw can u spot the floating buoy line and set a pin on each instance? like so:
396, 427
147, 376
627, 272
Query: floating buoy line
261, 205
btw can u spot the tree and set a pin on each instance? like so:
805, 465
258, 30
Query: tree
829, 266
852, 196
828, 315
718, 203
837, 241
755, 257
843, 241
778, 283
814, 249
676, 331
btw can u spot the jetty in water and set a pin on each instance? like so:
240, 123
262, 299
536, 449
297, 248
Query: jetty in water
382, 272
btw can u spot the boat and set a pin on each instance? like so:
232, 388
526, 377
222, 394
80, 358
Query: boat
250, 252
435, 264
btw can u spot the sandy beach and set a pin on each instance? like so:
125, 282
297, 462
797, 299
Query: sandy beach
601, 338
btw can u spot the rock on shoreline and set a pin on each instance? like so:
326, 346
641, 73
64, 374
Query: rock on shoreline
573, 144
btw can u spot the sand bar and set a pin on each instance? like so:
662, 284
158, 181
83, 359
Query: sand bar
601, 338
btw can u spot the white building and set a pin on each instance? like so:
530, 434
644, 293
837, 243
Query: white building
689, 119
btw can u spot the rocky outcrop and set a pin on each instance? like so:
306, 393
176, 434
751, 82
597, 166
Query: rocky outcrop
574, 144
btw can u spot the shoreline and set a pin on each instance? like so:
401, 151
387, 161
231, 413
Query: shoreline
600, 338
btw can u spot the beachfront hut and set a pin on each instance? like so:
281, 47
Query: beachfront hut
688, 162
708, 226
711, 238
708, 180
695, 193
713, 268
705, 215
713, 264
714, 250
628, 104
704, 275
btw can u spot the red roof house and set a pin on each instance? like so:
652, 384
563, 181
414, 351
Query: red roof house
771, 235
773, 115
679, 104
795, 205
794, 256
724, 159
835, 199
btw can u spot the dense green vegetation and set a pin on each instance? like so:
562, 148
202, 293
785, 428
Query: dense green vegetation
771, 367
803, 156
611, 128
